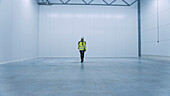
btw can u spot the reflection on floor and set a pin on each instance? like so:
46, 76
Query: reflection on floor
95, 77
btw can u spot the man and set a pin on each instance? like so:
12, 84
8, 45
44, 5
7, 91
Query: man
82, 48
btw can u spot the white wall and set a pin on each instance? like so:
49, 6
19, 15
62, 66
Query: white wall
18, 29
150, 35
108, 31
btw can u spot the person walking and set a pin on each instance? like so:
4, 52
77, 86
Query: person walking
82, 48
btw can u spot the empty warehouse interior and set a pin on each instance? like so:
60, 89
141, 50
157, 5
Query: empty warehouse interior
125, 45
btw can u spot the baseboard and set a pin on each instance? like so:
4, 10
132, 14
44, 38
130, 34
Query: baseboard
55, 57
144, 55
18, 60
79, 57
156, 57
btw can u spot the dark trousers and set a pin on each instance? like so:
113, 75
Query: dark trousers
82, 55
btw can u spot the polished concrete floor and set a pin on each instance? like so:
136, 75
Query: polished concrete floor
96, 77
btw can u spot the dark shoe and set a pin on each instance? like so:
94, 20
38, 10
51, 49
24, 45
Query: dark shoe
81, 61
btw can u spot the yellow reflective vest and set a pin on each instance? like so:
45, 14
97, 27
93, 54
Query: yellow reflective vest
82, 46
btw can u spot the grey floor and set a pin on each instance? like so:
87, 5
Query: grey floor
96, 77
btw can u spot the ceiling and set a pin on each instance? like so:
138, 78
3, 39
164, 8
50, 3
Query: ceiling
88, 2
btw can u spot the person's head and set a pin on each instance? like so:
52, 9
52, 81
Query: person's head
82, 38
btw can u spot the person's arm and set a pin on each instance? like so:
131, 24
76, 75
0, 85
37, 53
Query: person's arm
78, 45
85, 46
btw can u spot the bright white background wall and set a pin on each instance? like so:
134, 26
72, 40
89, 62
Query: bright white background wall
18, 29
108, 31
150, 27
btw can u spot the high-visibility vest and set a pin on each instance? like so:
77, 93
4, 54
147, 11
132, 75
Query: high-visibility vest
82, 45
